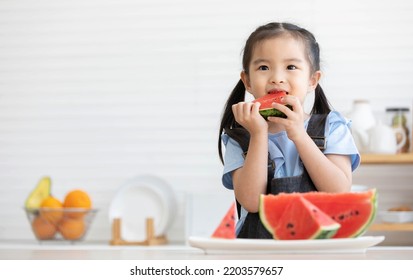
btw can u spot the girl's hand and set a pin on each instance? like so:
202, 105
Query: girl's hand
293, 124
247, 114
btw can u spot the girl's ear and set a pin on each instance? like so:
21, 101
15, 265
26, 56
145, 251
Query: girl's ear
245, 79
314, 79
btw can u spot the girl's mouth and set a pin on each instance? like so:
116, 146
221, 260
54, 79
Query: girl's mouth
275, 91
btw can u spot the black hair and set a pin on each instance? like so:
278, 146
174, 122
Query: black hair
268, 31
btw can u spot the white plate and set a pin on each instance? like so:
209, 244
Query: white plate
141, 198
270, 246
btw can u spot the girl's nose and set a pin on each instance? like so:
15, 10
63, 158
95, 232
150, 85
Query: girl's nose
277, 78
277, 81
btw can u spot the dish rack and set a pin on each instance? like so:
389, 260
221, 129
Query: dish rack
150, 240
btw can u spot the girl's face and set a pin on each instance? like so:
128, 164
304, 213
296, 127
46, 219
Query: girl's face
280, 64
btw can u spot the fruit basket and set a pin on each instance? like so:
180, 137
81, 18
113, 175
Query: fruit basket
71, 224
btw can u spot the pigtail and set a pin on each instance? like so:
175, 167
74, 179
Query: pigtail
321, 104
228, 123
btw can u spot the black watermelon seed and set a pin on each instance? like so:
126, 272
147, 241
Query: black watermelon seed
290, 225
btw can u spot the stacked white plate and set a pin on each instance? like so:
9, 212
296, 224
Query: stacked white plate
140, 198
396, 216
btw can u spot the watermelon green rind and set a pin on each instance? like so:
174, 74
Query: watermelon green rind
265, 113
372, 216
327, 232
272, 112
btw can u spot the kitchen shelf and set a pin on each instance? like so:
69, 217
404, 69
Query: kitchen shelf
391, 227
406, 158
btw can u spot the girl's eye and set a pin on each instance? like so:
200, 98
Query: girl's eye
263, 67
291, 67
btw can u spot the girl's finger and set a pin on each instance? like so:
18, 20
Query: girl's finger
256, 107
236, 108
281, 107
247, 108
293, 101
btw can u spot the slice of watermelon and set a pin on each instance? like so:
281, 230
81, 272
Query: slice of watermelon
266, 109
272, 207
226, 228
353, 211
303, 220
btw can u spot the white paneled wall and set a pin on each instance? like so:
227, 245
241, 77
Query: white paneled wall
95, 92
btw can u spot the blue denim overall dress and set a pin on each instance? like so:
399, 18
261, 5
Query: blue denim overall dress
252, 227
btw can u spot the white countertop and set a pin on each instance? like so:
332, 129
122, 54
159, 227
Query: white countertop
33, 250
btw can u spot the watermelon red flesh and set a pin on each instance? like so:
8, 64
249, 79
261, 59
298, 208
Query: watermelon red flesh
226, 228
272, 207
303, 220
267, 100
266, 109
353, 211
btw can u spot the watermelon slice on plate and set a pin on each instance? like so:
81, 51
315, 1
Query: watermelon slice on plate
226, 228
303, 220
353, 211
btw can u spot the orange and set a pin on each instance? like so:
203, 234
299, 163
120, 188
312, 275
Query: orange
77, 199
51, 209
72, 229
43, 229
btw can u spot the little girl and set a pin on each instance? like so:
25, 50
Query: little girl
299, 153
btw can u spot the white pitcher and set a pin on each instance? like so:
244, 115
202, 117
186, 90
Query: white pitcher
382, 140
363, 119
